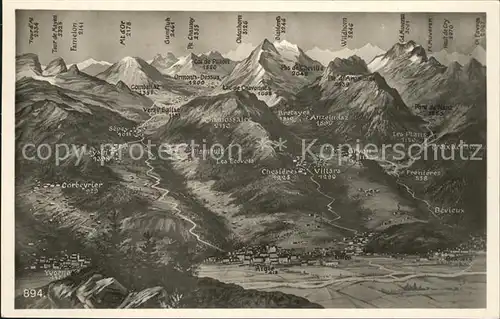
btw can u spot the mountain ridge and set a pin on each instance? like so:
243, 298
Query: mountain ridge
367, 53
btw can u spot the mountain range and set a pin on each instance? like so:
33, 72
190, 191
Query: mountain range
28, 65
352, 103
212, 63
446, 58
367, 101
367, 53
151, 217
275, 71
56, 66
135, 72
251, 203
162, 63
420, 79
132, 71
117, 97
91, 66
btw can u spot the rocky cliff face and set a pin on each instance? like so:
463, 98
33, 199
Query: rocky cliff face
56, 66
27, 65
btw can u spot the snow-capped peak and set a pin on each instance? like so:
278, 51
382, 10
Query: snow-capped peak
84, 64
367, 53
287, 50
409, 46
286, 45
129, 62
128, 59
168, 57
131, 70
183, 59
369, 46
478, 50
446, 58
479, 54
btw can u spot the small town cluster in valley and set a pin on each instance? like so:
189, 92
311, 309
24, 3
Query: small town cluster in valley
267, 257
273, 255
462, 254
63, 262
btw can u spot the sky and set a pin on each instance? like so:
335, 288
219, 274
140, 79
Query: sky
101, 32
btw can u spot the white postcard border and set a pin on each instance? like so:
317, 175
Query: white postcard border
493, 159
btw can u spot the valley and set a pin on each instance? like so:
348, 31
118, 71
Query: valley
366, 282
289, 177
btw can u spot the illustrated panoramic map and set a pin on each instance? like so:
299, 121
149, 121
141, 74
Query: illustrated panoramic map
223, 159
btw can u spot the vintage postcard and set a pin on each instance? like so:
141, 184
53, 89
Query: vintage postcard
336, 157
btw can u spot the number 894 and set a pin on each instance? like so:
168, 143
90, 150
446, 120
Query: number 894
32, 293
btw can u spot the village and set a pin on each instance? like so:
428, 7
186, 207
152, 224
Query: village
63, 262
269, 258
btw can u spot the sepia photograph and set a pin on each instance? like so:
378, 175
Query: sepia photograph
341, 158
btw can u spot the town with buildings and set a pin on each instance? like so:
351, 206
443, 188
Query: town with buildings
271, 257
264, 257
63, 262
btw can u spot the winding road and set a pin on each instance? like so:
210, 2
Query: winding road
396, 167
329, 205
164, 192
332, 200
157, 179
